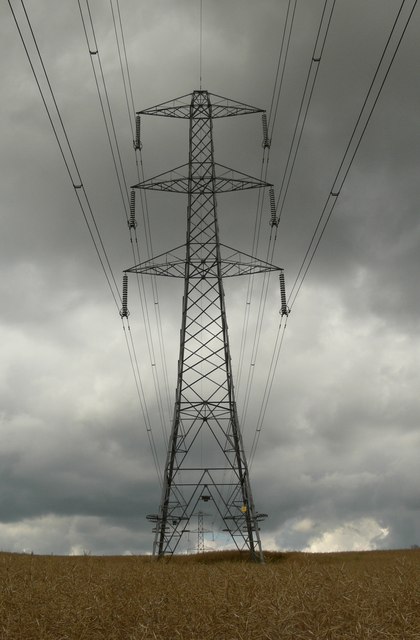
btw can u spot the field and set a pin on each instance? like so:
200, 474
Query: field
214, 596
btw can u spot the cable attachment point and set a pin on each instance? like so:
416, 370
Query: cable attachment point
284, 308
124, 313
132, 222
274, 221
266, 143
137, 143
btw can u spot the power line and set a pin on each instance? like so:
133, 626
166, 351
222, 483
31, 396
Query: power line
129, 112
311, 78
306, 97
277, 89
350, 152
94, 54
79, 187
75, 177
268, 387
287, 33
358, 132
141, 395
67, 154
109, 122
128, 90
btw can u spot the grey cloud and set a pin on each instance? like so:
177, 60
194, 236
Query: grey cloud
340, 435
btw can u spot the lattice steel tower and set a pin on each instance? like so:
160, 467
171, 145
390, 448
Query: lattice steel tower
206, 461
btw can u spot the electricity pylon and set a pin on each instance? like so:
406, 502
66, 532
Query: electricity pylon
206, 459
200, 531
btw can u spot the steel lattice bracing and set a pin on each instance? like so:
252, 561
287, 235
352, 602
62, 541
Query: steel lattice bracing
206, 459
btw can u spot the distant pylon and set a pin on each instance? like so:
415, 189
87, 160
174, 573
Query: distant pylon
200, 531
205, 459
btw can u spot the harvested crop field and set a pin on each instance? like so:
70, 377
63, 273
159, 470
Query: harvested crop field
213, 596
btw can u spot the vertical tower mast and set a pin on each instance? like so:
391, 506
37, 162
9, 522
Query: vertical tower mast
206, 459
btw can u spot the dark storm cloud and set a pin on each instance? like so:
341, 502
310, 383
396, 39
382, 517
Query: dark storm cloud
336, 462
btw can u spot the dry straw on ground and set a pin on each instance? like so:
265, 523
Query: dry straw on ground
294, 596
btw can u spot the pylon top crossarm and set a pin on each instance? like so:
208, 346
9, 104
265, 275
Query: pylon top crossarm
181, 107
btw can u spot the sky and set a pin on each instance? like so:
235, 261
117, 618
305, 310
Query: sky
336, 466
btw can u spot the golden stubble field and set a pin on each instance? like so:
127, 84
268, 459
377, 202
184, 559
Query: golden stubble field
215, 596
